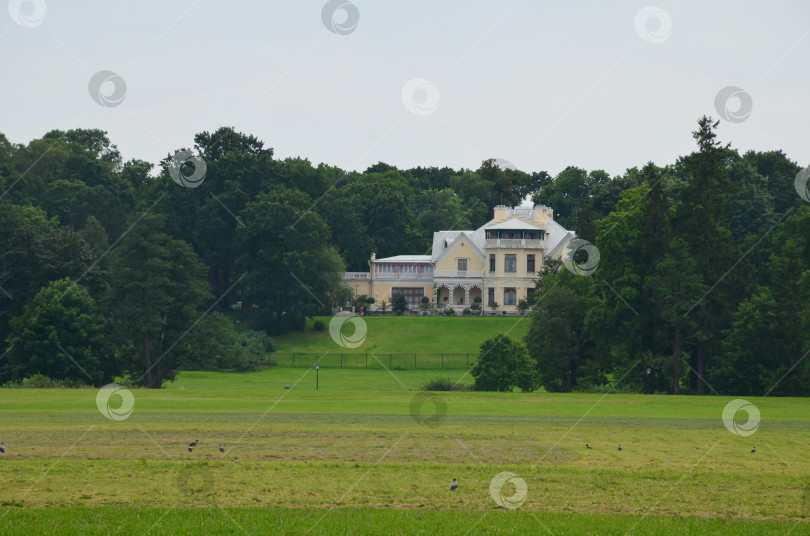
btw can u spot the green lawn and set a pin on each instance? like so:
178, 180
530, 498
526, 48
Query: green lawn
368, 453
407, 335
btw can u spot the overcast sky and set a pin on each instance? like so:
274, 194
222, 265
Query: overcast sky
544, 85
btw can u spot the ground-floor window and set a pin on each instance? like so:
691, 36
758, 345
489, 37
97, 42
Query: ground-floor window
509, 296
490, 296
413, 295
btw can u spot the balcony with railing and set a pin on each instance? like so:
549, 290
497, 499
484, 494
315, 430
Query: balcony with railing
459, 274
409, 276
356, 275
523, 243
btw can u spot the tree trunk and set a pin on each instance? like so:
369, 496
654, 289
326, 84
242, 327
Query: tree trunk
159, 364
213, 278
676, 362
147, 360
701, 357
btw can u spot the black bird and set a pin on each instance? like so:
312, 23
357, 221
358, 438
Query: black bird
194, 444
587, 446
236, 459
454, 485
752, 450
190, 448
620, 448
2, 448
221, 447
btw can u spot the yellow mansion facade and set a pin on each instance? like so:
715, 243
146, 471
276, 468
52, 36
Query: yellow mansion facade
497, 262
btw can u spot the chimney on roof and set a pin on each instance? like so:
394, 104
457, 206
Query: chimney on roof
373, 256
500, 213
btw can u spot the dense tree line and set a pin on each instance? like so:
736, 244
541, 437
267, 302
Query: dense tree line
703, 283
112, 268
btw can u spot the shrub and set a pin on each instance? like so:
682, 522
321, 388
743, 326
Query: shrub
466, 312
504, 364
450, 311
523, 305
399, 303
319, 325
40, 381
251, 352
444, 384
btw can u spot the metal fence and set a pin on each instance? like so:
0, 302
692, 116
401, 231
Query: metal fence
375, 360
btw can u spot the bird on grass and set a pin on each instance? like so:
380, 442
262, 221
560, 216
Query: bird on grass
620, 448
2, 448
194, 444
221, 447
236, 459
754, 449
587, 446
454, 485
190, 448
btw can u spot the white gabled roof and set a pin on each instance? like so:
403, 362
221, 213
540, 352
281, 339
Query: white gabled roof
405, 258
514, 223
557, 237
463, 235
439, 238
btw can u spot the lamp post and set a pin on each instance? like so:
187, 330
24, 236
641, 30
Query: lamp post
317, 368
649, 380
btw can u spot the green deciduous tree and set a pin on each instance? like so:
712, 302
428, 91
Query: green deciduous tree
503, 364
557, 338
292, 271
159, 287
60, 334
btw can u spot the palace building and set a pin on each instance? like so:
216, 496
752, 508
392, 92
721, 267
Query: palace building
497, 262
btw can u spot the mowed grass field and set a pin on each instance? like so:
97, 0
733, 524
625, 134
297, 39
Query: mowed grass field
407, 335
367, 453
